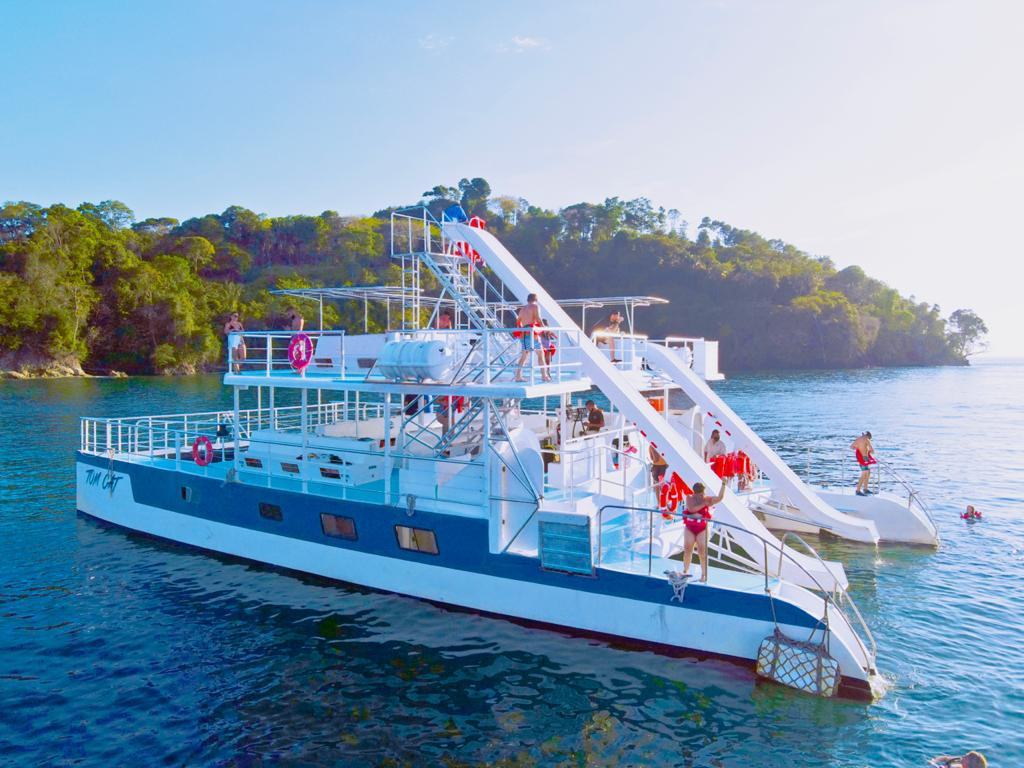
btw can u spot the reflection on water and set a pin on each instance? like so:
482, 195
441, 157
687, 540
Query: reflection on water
113, 645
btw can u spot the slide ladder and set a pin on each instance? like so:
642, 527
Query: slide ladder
791, 489
677, 451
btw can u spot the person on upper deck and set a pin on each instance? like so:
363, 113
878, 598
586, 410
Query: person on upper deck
864, 450
595, 418
444, 320
234, 329
605, 332
296, 322
527, 319
715, 446
698, 503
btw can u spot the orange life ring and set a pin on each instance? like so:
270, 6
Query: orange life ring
202, 451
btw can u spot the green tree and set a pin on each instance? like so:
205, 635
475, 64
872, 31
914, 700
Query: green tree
966, 332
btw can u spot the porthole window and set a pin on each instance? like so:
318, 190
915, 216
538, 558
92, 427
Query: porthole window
338, 527
416, 539
271, 511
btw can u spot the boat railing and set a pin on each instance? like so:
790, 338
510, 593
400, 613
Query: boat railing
624, 350
143, 435
266, 353
839, 594
361, 468
599, 467
885, 474
491, 355
838, 597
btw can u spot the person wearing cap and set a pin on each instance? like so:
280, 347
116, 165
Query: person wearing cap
864, 452
698, 505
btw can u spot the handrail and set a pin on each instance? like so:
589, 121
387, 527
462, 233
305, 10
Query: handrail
839, 590
869, 656
912, 493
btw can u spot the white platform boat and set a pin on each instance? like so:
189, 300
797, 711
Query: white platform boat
413, 462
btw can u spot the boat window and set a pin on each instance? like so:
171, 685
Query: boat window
330, 472
416, 539
338, 526
271, 511
253, 463
293, 468
186, 493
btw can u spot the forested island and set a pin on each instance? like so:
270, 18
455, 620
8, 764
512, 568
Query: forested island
90, 287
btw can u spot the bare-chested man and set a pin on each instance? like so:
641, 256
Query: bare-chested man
233, 329
606, 331
528, 317
865, 453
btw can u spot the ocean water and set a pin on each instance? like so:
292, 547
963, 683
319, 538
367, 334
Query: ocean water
118, 650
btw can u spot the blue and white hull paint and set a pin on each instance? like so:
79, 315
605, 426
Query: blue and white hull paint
635, 608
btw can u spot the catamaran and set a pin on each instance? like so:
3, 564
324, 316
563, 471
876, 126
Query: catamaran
452, 464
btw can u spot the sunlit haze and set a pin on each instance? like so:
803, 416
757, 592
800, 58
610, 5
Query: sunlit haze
885, 134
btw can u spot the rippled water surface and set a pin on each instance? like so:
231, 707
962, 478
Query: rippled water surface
118, 650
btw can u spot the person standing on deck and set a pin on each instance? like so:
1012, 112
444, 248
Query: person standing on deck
715, 446
527, 318
234, 329
698, 503
444, 320
864, 450
605, 332
295, 320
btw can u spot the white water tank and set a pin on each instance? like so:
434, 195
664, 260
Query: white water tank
415, 360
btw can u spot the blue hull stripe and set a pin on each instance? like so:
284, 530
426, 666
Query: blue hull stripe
462, 541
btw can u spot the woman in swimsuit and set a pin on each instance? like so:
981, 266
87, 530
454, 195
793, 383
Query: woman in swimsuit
698, 503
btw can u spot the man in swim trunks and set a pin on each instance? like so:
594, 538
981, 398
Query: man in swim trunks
604, 333
698, 503
864, 452
528, 317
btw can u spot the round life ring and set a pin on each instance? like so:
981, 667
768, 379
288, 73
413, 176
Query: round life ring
300, 351
672, 493
202, 451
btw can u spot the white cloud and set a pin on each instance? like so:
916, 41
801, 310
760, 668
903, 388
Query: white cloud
522, 44
435, 43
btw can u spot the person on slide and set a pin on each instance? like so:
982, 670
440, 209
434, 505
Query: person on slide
698, 503
865, 453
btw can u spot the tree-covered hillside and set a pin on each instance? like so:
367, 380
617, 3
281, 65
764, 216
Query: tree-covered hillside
92, 284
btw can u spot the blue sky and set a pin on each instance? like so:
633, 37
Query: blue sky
886, 134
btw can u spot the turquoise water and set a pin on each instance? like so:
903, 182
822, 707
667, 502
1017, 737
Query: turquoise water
116, 650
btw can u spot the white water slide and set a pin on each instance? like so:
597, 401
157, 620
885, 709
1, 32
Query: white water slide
634, 406
785, 483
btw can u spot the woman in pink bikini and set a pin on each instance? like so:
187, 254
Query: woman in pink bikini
698, 503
